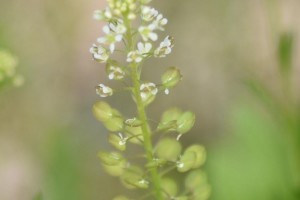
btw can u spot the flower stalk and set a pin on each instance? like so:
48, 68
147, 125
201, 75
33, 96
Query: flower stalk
162, 152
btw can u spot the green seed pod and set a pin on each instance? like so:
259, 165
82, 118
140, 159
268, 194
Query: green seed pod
120, 198
186, 161
169, 119
171, 77
195, 179
118, 141
134, 134
112, 158
133, 178
200, 154
185, 122
102, 111
169, 187
169, 149
202, 193
115, 170
156, 162
114, 124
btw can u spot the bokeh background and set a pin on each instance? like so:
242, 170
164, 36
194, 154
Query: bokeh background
241, 67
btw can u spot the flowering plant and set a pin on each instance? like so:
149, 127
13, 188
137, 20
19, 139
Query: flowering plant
162, 152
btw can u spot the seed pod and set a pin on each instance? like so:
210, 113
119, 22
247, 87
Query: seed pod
169, 186
102, 111
134, 134
195, 179
133, 178
114, 124
118, 141
112, 158
200, 153
185, 122
168, 149
169, 119
186, 161
115, 170
171, 77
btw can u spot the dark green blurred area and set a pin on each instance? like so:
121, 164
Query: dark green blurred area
241, 72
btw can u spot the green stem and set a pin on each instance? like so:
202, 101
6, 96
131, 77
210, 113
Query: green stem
135, 77
155, 178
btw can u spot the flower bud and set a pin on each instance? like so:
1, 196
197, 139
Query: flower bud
185, 122
171, 77
104, 91
168, 148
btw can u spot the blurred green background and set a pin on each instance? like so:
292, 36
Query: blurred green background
241, 76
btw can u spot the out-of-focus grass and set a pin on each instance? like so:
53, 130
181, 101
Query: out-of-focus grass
252, 163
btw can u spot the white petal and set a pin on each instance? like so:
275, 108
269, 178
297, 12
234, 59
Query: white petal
153, 36
106, 29
140, 46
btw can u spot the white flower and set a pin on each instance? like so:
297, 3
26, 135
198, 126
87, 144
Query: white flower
134, 56
99, 53
104, 91
114, 33
148, 13
115, 72
103, 14
165, 47
118, 27
160, 22
147, 32
148, 90
144, 48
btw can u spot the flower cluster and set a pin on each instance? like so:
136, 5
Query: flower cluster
8, 64
162, 152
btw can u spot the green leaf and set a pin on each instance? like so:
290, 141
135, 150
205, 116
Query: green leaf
102, 111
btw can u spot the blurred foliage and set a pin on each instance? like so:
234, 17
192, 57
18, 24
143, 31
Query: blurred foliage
251, 126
